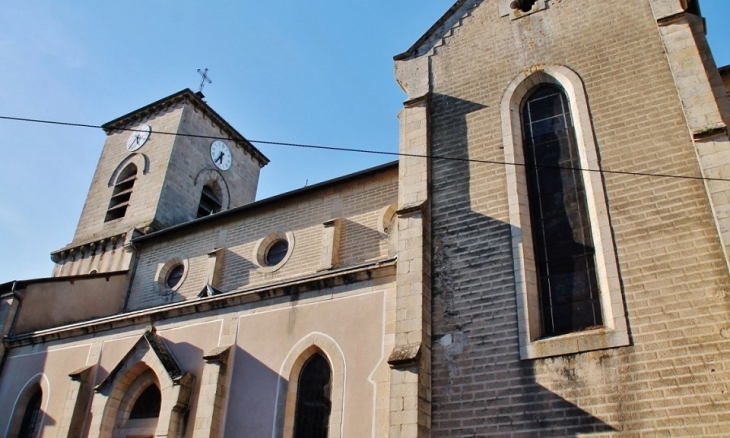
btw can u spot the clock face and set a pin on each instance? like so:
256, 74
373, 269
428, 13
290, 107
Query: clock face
138, 137
221, 155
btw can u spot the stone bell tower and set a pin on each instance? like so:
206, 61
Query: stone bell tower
169, 162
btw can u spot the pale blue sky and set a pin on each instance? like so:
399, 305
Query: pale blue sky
318, 72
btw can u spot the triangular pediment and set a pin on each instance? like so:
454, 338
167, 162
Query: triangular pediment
148, 343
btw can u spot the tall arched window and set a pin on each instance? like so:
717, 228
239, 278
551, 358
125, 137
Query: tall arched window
122, 193
210, 199
31, 416
313, 399
563, 247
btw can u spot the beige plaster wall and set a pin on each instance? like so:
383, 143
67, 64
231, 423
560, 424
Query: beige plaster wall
350, 323
267, 338
49, 366
56, 303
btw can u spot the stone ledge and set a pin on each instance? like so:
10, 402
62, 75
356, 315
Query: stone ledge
331, 279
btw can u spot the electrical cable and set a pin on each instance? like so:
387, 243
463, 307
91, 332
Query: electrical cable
374, 152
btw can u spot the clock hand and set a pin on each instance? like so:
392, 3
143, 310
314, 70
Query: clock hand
220, 158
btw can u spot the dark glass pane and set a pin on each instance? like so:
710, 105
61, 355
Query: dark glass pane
31, 416
562, 237
544, 104
313, 406
147, 404
175, 276
276, 252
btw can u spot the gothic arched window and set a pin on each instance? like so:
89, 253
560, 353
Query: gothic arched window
562, 239
122, 193
314, 404
29, 425
147, 404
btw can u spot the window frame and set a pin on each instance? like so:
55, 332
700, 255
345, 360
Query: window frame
287, 388
165, 269
122, 191
614, 332
260, 250
211, 199
38, 382
304, 385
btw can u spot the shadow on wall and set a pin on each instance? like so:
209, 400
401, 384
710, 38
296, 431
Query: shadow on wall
235, 270
189, 357
480, 386
253, 391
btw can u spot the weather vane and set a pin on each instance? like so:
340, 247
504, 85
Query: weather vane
205, 78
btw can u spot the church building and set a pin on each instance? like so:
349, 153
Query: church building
547, 257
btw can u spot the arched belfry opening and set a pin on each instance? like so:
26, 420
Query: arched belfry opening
210, 199
122, 193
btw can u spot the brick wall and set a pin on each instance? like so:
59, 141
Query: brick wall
180, 194
358, 203
674, 378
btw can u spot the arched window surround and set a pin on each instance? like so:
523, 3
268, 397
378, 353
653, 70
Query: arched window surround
122, 386
39, 381
614, 332
288, 384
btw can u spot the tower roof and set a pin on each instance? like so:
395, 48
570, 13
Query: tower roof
196, 100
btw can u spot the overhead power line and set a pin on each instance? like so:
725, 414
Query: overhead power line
374, 152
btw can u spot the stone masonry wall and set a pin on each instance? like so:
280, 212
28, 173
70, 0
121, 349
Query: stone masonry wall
359, 204
147, 187
190, 163
674, 377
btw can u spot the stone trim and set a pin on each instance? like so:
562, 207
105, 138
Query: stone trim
330, 256
116, 392
259, 251
286, 394
78, 398
21, 402
615, 330
140, 160
329, 279
205, 176
163, 270
214, 266
213, 394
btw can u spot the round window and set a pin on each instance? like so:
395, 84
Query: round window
175, 275
276, 252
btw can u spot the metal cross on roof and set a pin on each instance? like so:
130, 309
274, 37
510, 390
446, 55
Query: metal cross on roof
204, 74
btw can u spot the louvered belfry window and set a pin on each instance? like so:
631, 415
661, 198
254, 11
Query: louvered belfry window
313, 406
210, 202
122, 193
561, 229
